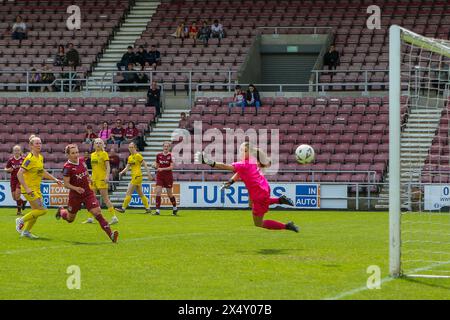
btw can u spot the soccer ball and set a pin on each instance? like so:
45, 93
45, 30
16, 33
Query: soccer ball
304, 154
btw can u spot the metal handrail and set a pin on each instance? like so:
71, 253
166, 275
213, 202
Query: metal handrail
63, 81
306, 28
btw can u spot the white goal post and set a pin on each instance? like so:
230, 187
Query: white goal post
419, 80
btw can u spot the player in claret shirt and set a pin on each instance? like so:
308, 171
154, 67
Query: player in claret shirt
164, 177
77, 180
12, 167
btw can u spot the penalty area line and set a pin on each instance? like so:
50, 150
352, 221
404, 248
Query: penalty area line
389, 279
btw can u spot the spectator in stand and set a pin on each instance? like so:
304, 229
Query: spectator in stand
47, 78
127, 58
73, 57
217, 30
141, 56
154, 97
129, 78
89, 136
153, 57
118, 133
185, 123
204, 33
252, 97
105, 133
35, 81
114, 162
131, 133
181, 32
141, 77
331, 58
19, 29
60, 57
147, 67
193, 31
238, 98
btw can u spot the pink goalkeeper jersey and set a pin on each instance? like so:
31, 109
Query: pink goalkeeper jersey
251, 175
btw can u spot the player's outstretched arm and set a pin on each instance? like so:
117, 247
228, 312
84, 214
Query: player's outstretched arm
48, 176
147, 168
108, 171
9, 170
200, 157
228, 183
121, 173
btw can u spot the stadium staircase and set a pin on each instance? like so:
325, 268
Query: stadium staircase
161, 131
135, 23
416, 141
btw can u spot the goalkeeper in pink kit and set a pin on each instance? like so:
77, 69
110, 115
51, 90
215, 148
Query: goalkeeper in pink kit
249, 171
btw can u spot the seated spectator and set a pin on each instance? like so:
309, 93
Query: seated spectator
140, 56
114, 162
153, 57
154, 97
331, 58
181, 32
193, 31
47, 78
60, 57
129, 78
252, 97
238, 98
127, 58
118, 133
105, 133
217, 30
184, 123
204, 33
35, 81
147, 67
131, 133
89, 136
73, 57
19, 29
141, 77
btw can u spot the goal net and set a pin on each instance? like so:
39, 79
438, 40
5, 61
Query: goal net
419, 155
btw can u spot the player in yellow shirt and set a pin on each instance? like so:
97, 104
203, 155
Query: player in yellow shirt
100, 177
135, 160
30, 176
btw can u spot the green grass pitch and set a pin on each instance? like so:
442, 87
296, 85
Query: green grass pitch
206, 254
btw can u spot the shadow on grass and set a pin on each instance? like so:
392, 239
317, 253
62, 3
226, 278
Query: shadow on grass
425, 283
43, 239
274, 251
79, 243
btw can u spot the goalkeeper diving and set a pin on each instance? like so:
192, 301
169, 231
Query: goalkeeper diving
249, 171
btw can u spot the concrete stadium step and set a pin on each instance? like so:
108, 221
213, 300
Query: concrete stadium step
135, 23
416, 140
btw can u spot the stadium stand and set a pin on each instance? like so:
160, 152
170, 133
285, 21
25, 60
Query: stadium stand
59, 121
437, 164
348, 134
46, 23
360, 48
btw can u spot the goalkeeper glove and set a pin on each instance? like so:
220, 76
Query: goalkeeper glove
199, 157
227, 184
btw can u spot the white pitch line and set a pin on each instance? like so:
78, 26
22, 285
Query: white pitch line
9, 252
384, 280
